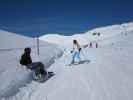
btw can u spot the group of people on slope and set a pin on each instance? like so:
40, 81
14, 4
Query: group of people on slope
38, 67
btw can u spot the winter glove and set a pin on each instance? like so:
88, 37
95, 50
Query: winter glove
71, 51
79, 49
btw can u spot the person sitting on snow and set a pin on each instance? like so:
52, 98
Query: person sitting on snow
26, 60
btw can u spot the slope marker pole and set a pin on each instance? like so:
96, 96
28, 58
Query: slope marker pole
38, 46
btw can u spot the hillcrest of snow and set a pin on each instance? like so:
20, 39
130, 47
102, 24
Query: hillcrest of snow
84, 38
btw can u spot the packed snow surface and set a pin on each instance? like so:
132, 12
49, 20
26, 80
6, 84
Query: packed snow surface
107, 76
12, 74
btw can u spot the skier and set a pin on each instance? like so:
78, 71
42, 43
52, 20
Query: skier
98, 33
37, 67
76, 52
96, 45
90, 44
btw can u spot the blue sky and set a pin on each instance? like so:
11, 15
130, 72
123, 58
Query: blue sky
37, 17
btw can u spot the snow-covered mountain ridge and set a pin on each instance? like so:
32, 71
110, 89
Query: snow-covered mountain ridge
106, 32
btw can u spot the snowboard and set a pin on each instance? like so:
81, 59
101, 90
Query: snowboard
80, 62
43, 78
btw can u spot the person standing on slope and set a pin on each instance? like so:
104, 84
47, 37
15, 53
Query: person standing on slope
76, 52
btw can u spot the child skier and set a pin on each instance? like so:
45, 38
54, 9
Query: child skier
76, 52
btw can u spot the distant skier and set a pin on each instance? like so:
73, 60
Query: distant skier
90, 45
98, 33
37, 67
76, 52
96, 45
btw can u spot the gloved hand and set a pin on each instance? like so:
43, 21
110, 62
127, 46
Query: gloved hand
71, 51
79, 49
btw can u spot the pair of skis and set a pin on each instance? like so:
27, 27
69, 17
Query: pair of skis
80, 62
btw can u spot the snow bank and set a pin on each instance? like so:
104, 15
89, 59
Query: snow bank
63, 41
12, 74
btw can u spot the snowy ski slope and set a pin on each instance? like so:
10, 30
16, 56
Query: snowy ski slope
108, 76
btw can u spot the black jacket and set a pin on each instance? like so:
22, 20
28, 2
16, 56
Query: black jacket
25, 59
